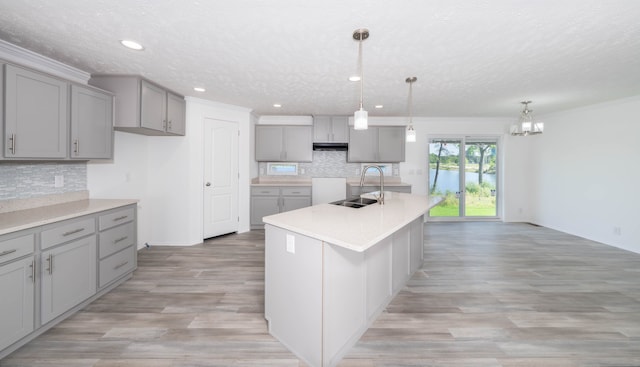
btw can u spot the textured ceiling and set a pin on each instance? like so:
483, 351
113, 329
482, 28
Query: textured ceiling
471, 57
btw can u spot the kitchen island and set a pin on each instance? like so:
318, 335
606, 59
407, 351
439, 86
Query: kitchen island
331, 270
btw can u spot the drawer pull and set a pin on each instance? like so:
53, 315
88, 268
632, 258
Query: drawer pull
3, 253
120, 265
120, 218
12, 144
264, 192
50, 261
33, 271
120, 239
295, 192
72, 232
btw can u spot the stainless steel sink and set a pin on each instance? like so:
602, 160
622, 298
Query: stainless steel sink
355, 203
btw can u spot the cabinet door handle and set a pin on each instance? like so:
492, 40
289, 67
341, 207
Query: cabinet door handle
169, 125
119, 218
4, 253
76, 147
50, 261
120, 265
72, 232
12, 144
33, 271
120, 239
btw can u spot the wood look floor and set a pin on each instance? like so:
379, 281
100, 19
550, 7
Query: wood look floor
489, 294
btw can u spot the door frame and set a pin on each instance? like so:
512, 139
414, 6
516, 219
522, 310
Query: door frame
499, 166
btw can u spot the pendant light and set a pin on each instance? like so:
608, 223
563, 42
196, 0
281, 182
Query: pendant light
360, 116
411, 133
525, 125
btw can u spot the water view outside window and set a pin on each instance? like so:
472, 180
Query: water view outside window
463, 171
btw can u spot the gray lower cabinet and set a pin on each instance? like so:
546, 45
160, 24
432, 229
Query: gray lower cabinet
143, 107
35, 123
47, 272
117, 250
91, 123
284, 143
17, 287
273, 200
377, 144
68, 276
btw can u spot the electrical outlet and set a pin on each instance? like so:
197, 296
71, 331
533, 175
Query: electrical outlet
291, 244
617, 231
58, 181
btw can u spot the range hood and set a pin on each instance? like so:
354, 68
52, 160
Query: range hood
331, 146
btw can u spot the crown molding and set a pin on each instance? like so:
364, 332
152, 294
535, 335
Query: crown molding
18, 55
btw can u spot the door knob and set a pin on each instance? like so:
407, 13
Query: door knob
208, 184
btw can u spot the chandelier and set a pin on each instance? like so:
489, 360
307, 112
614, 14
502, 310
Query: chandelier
525, 125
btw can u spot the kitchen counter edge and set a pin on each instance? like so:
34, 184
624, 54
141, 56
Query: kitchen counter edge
29, 218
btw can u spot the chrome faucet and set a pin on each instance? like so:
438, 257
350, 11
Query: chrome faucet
364, 171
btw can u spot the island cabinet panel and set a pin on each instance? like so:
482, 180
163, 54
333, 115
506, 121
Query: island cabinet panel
344, 301
400, 258
417, 244
293, 292
378, 269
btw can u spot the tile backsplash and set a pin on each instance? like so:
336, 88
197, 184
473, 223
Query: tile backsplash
23, 180
328, 164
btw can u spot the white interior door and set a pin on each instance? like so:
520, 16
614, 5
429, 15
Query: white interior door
220, 177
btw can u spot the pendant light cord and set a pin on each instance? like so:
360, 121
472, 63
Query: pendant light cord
361, 71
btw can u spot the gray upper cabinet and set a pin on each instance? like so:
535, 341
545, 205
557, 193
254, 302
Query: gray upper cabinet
36, 122
152, 106
91, 123
377, 144
330, 129
143, 107
284, 143
176, 113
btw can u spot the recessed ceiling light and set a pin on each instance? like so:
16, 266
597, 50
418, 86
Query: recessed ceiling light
199, 89
354, 78
132, 45
379, 106
277, 105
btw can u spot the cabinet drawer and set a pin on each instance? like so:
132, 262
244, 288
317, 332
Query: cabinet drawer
296, 191
264, 191
115, 218
117, 265
67, 232
117, 238
16, 247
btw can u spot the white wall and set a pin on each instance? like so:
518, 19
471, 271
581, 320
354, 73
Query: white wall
585, 173
125, 177
166, 174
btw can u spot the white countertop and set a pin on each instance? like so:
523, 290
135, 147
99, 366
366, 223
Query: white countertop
29, 218
354, 229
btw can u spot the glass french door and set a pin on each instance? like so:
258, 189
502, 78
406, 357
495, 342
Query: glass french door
463, 171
